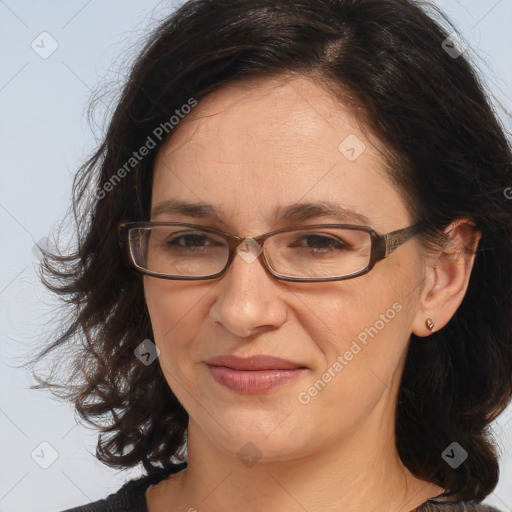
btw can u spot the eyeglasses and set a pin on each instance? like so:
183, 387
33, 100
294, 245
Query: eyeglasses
320, 252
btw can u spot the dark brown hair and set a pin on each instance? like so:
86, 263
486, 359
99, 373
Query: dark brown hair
445, 149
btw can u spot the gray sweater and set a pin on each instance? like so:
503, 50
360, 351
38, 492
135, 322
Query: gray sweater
132, 498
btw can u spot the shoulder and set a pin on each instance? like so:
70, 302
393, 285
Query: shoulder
131, 497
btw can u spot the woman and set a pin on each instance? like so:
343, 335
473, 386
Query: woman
293, 274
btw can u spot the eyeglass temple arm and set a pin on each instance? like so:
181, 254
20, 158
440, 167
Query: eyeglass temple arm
397, 238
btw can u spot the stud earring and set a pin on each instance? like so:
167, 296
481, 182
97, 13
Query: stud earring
430, 324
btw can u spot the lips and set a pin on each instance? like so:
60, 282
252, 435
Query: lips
255, 374
263, 362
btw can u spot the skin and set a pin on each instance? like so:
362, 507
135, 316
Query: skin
247, 148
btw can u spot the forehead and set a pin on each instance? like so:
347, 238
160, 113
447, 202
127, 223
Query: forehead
250, 146
292, 114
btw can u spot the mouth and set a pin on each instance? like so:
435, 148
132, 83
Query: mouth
254, 363
255, 374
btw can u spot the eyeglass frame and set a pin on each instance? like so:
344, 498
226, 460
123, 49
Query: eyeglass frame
381, 247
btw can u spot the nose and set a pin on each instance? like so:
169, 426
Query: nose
249, 297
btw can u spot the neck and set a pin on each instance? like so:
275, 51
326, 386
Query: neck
362, 472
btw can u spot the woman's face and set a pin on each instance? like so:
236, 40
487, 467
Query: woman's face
247, 150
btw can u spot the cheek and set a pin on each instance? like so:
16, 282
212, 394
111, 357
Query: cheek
360, 367
362, 328
175, 310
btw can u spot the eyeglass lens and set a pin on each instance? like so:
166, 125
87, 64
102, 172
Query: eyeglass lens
183, 251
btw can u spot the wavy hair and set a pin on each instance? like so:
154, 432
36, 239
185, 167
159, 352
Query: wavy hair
446, 151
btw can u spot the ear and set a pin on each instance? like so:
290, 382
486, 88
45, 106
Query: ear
447, 276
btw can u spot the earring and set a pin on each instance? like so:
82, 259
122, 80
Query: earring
430, 324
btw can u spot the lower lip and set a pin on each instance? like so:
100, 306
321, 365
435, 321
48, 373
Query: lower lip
253, 381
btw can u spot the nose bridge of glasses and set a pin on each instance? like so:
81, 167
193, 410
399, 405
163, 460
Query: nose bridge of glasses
249, 248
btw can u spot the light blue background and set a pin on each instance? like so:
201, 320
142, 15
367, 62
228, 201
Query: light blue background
44, 138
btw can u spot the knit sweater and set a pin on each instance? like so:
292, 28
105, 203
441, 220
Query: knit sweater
131, 497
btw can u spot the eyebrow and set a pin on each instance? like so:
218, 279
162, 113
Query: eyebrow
297, 212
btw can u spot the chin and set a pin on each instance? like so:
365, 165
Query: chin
256, 434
